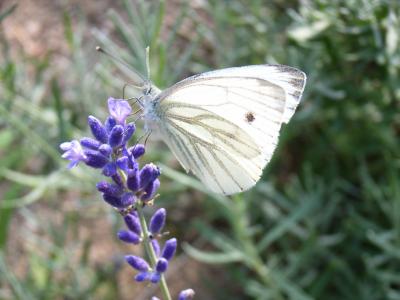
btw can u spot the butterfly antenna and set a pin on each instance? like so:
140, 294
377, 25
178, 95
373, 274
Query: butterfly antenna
148, 81
101, 50
148, 62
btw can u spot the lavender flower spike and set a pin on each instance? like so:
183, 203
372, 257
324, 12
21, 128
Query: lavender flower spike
119, 109
73, 152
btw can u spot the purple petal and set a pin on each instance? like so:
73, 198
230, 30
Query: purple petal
73, 152
119, 109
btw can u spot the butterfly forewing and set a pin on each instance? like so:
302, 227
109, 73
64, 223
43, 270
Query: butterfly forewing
223, 125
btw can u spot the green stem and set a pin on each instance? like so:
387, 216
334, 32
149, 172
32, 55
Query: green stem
150, 251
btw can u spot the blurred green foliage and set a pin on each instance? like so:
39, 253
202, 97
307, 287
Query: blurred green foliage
324, 223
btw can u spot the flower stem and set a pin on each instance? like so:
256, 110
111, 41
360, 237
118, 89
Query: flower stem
150, 251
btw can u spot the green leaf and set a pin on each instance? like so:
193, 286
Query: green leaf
288, 222
213, 257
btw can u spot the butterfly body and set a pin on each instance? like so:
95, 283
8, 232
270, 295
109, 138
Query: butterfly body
223, 125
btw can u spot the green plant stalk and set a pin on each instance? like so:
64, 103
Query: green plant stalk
253, 261
147, 244
150, 251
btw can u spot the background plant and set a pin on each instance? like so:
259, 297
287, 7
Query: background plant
323, 224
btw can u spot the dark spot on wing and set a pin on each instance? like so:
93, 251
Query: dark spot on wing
249, 116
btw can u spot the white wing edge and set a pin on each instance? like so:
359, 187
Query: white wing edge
290, 79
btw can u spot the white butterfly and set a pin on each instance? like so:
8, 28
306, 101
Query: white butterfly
223, 125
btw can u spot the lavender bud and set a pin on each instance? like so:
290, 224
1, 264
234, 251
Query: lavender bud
157, 221
127, 199
142, 276
150, 190
155, 277
112, 200
109, 188
117, 179
162, 265
133, 179
137, 150
169, 248
137, 263
98, 130
156, 247
186, 294
105, 149
122, 163
90, 143
116, 135
155, 298
148, 174
95, 159
128, 237
109, 124
133, 224
110, 169
129, 131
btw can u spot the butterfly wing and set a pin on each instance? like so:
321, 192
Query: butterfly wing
223, 125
